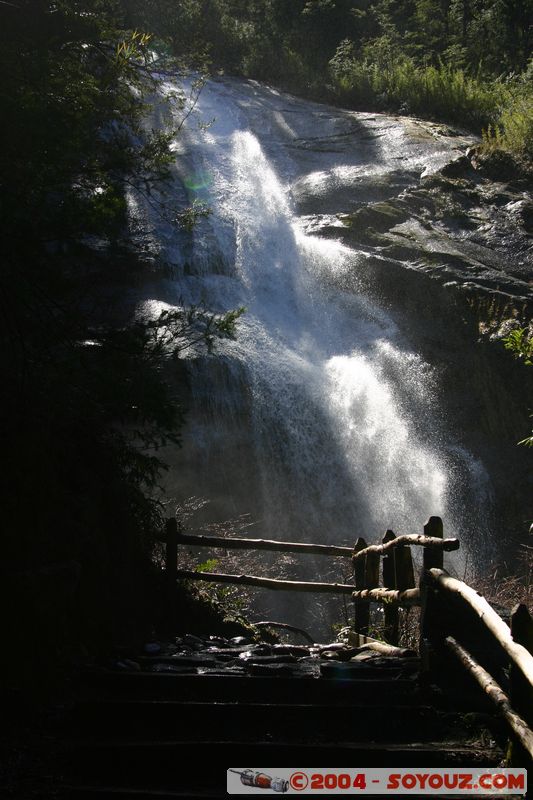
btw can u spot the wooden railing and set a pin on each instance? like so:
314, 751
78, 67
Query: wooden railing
399, 588
460, 633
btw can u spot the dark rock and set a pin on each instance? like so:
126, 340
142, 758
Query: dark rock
192, 640
152, 648
283, 670
378, 217
132, 665
457, 168
499, 165
174, 669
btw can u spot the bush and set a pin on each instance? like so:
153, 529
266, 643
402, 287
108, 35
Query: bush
514, 130
386, 79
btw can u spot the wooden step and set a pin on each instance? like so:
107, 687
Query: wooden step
86, 792
227, 688
174, 765
164, 719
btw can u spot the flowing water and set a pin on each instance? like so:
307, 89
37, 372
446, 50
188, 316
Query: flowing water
321, 420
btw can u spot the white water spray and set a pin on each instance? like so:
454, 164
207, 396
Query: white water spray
318, 419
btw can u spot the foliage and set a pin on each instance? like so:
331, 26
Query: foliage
389, 78
507, 583
229, 601
188, 217
520, 343
90, 391
514, 129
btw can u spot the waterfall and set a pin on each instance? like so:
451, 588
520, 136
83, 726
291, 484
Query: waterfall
320, 420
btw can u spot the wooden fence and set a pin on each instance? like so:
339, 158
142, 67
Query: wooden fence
460, 633
399, 588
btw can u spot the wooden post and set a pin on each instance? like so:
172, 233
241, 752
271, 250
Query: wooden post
361, 610
169, 588
431, 614
371, 574
391, 612
405, 572
521, 694
171, 553
433, 558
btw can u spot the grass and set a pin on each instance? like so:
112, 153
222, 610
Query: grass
508, 585
502, 110
513, 132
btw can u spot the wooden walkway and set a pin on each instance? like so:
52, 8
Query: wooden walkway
138, 734
464, 700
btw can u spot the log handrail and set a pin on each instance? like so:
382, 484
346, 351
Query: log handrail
267, 583
519, 656
406, 598
515, 722
238, 543
439, 594
409, 539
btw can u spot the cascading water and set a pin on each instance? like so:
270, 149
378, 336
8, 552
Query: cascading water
319, 420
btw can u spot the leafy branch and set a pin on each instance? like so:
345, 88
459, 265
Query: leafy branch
520, 343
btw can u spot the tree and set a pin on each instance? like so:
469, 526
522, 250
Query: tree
90, 393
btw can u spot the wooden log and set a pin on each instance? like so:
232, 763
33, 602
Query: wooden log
390, 612
387, 650
362, 610
286, 627
433, 555
408, 539
267, 583
406, 598
488, 619
515, 722
236, 543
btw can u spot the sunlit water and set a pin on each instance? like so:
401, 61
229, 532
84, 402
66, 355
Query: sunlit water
320, 420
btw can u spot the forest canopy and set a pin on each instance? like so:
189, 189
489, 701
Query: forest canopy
461, 61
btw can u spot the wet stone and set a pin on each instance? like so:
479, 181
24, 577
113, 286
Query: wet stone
174, 669
217, 641
294, 650
268, 659
240, 640
283, 670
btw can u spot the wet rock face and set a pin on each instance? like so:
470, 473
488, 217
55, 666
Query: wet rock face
215, 655
451, 254
457, 226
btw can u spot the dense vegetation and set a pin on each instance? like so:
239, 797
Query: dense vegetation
461, 61
89, 391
